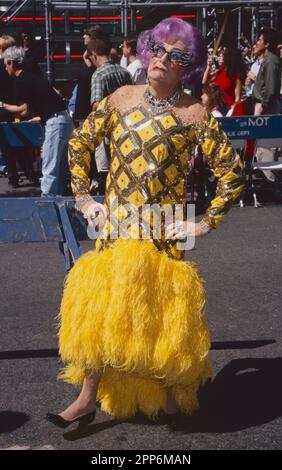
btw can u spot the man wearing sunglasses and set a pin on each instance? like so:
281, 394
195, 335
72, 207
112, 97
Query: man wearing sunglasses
176, 55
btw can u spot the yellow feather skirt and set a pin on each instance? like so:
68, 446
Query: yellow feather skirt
138, 315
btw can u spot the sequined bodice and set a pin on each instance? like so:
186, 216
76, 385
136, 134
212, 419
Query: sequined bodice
149, 158
149, 161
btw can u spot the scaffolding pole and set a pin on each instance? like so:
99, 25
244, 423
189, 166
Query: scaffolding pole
239, 26
125, 16
148, 4
216, 3
47, 8
88, 12
122, 19
275, 11
132, 20
255, 27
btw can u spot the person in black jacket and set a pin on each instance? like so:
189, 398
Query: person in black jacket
6, 89
5, 95
35, 98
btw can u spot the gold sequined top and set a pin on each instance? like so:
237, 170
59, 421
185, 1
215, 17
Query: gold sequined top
149, 161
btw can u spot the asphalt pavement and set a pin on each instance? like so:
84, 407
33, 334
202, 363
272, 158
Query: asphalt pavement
241, 409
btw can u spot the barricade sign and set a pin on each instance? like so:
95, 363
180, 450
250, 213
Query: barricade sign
26, 134
252, 127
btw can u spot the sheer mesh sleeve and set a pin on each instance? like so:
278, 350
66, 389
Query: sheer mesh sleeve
83, 143
227, 166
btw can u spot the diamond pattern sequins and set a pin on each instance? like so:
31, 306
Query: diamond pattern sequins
136, 117
123, 180
126, 147
148, 161
140, 166
147, 132
146, 154
167, 121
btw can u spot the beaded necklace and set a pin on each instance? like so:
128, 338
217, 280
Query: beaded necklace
158, 105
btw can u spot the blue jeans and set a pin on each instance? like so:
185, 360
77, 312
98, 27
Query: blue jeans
3, 165
58, 130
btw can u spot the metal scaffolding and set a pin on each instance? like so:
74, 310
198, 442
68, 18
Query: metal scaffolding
207, 14
48, 39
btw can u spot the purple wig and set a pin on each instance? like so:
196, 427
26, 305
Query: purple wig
170, 30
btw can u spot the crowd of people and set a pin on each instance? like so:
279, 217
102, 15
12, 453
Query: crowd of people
246, 80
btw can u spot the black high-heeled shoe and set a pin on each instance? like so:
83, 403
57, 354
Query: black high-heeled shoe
62, 423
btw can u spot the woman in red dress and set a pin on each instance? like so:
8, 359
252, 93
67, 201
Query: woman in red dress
229, 77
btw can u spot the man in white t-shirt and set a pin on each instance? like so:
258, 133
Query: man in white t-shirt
135, 67
254, 70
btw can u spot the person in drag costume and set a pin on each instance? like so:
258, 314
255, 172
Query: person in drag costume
132, 326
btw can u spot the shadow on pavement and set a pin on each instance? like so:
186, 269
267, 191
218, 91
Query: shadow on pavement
28, 354
245, 393
11, 420
249, 344
81, 433
216, 345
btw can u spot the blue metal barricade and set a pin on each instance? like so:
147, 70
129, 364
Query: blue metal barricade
265, 130
21, 134
29, 220
252, 127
